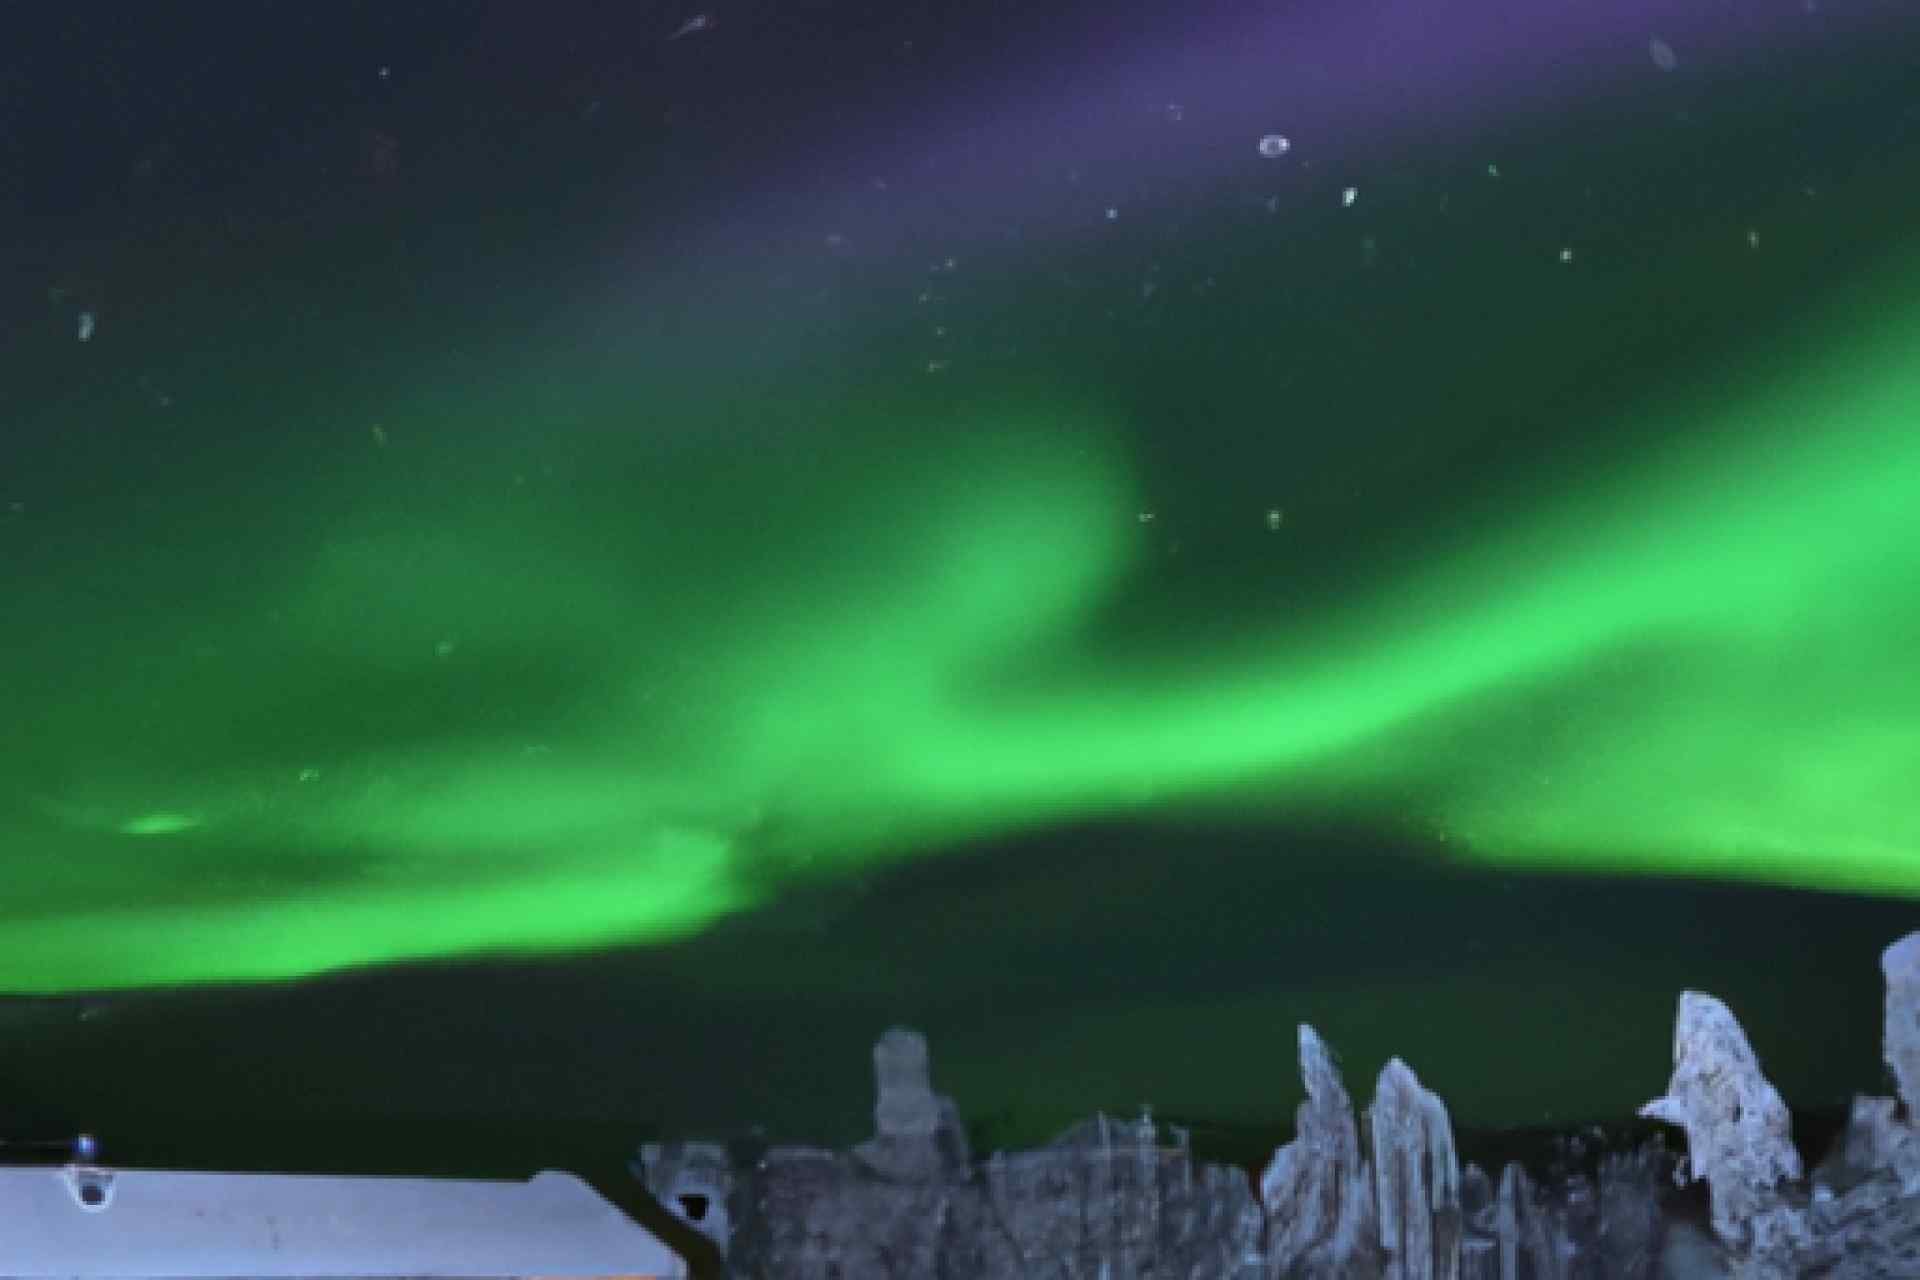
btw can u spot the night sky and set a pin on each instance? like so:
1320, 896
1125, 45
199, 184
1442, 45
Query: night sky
566, 566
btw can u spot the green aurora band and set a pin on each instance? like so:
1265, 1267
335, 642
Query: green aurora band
1701, 664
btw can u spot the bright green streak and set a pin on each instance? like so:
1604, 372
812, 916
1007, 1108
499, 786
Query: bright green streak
160, 823
1700, 664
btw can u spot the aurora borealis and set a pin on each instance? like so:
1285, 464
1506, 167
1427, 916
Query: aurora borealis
972, 537
1715, 634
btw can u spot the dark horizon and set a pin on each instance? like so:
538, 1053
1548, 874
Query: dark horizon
567, 1057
